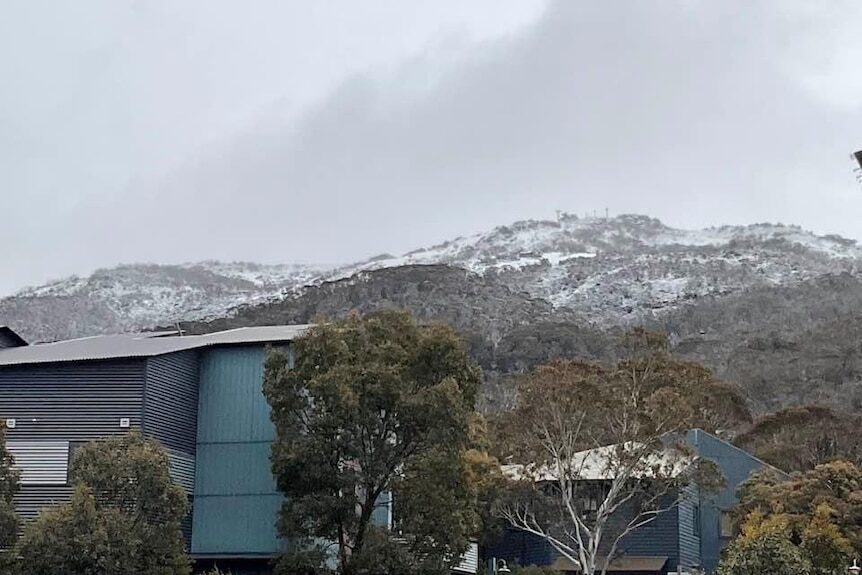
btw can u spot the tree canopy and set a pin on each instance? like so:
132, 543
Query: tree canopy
124, 517
781, 543
628, 415
8, 488
763, 549
372, 406
800, 438
833, 489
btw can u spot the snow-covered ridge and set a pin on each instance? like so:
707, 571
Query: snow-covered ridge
570, 237
610, 269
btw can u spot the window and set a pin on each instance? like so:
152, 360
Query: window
696, 520
726, 524
591, 495
589, 504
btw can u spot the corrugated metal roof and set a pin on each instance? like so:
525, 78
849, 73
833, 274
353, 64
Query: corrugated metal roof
143, 344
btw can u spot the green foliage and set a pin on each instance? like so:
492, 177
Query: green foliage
767, 553
8, 517
800, 438
124, 517
787, 544
376, 404
834, 489
823, 543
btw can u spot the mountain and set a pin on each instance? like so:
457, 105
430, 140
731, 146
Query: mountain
772, 307
610, 271
134, 297
623, 269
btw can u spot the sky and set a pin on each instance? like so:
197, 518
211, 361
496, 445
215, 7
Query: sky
328, 132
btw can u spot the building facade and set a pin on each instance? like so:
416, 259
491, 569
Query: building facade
201, 397
687, 538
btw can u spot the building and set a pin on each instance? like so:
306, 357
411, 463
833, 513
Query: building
200, 396
686, 538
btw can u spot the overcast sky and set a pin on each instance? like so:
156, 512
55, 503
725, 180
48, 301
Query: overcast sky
330, 131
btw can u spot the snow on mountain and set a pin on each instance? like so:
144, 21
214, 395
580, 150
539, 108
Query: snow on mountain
131, 297
570, 237
610, 270
619, 269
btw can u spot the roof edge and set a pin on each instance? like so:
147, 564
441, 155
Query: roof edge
697, 430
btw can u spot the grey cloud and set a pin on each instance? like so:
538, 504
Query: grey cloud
688, 111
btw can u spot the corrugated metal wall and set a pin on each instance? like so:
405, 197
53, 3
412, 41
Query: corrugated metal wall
41, 462
30, 501
183, 470
469, 561
171, 400
236, 500
689, 532
68, 402
736, 466
71, 401
520, 548
170, 413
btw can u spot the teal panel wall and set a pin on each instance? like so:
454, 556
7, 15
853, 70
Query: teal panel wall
236, 525
231, 405
234, 468
236, 500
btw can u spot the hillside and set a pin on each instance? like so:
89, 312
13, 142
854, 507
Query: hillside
611, 271
770, 306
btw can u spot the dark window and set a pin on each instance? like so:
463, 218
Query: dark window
696, 518
591, 494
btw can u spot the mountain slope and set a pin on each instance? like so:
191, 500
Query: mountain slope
132, 297
610, 272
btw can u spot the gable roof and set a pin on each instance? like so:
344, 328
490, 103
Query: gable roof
599, 463
694, 438
143, 344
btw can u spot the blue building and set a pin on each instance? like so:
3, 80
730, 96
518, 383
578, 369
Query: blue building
688, 537
200, 396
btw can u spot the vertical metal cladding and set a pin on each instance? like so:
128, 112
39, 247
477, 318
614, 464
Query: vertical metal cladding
689, 531
736, 466
236, 499
171, 400
170, 411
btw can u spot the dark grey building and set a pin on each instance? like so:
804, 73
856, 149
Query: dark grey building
200, 396
687, 538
